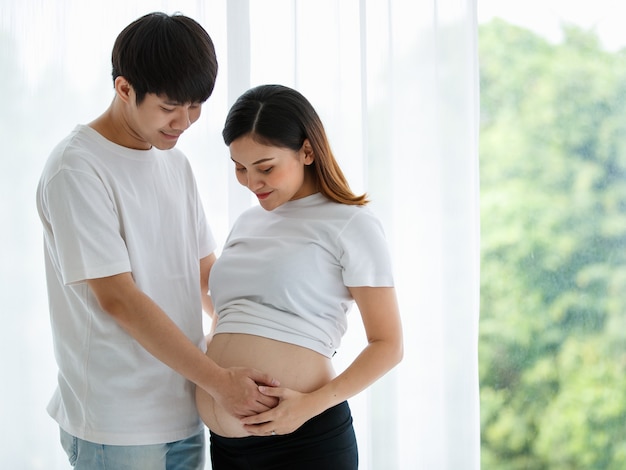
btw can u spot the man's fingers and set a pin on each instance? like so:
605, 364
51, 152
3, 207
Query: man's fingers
271, 391
265, 403
262, 378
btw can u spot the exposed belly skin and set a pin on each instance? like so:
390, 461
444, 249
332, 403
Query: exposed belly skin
295, 367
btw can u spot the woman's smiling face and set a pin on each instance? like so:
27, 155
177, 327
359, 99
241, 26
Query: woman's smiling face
274, 174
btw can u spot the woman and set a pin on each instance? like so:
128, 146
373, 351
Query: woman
290, 270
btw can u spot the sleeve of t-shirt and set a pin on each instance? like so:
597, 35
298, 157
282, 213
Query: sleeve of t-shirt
365, 257
86, 227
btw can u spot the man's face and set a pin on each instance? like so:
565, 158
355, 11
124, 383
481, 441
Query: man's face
158, 121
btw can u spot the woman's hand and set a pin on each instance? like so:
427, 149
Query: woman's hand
381, 319
293, 410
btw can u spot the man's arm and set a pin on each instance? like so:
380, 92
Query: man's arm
235, 389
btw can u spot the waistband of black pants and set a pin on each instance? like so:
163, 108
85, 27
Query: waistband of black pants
333, 420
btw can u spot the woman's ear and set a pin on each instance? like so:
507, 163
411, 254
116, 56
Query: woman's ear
309, 155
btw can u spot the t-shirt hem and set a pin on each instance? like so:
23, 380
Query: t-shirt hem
112, 269
275, 335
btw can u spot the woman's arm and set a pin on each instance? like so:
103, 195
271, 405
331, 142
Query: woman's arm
206, 264
207, 304
384, 350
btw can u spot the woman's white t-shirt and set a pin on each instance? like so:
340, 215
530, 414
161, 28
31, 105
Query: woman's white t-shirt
284, 274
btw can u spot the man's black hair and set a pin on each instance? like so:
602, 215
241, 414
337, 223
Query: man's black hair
169, 55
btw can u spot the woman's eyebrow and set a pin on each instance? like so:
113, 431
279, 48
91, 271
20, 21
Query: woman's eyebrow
262, 160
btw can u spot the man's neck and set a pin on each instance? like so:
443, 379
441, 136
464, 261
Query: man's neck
113, 126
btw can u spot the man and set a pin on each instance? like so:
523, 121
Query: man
128, 254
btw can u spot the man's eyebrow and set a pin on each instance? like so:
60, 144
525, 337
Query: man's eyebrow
167, 100
177, 103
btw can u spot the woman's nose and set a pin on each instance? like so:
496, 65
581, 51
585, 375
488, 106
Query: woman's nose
254, 182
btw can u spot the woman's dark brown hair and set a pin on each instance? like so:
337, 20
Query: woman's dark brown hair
281, 116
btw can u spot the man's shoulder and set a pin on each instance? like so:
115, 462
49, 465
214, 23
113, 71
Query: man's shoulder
72, 149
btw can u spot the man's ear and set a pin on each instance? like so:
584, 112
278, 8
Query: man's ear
309, 155
124, 89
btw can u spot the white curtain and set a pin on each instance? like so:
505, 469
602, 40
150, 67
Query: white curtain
396, 84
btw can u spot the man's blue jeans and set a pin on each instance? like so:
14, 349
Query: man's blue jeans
188, 454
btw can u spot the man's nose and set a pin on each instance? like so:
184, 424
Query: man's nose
181, 120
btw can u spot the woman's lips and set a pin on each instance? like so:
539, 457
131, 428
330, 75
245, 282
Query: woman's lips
171, 136
262, 196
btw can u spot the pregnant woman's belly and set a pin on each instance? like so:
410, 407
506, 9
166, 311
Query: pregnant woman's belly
295, 367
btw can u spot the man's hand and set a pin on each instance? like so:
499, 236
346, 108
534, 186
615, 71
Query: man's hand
239, 392
235, 389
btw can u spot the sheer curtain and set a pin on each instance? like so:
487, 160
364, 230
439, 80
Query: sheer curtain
395, 82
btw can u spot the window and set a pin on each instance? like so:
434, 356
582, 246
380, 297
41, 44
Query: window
552, 345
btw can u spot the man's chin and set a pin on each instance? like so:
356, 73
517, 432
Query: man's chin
164, 145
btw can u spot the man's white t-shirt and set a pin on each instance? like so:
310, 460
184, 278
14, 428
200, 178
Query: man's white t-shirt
106, 210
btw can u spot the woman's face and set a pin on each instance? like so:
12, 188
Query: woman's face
274, 174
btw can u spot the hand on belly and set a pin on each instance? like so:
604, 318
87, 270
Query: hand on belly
296, 368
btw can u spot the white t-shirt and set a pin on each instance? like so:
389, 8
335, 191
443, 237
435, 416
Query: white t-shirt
284, 274
106, 210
